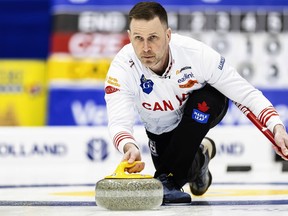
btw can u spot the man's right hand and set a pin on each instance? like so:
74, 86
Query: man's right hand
131, 154
281, 140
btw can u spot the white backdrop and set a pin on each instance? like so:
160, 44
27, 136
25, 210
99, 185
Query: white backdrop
86, 154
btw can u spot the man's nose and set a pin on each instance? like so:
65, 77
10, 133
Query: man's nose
146, 46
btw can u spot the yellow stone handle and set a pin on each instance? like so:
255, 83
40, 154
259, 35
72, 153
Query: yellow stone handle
120, 172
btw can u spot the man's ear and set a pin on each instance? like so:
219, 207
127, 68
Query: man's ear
129, 34
168, 33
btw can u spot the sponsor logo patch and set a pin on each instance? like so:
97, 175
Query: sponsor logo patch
185, 77
189, 84
113, 81
221, 63
185, 68
200, 116
110, 89
152, 146
131, 62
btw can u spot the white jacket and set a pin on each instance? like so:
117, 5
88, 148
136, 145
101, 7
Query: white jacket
159, 100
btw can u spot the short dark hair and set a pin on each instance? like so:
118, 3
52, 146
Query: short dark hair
148, 11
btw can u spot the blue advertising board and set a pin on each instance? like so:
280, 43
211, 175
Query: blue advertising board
76, 106
87, 107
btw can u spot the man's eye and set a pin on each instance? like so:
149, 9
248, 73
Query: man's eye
138, 38
153, 37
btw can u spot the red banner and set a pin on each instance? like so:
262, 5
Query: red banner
85, 45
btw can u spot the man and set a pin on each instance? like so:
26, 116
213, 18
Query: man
177, 85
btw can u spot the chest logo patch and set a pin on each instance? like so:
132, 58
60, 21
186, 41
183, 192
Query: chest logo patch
146, 84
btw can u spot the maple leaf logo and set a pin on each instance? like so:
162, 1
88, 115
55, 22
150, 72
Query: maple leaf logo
203, 106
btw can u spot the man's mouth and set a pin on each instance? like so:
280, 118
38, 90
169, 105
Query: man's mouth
147, 57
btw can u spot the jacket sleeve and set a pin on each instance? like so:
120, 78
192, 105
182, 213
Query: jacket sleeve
119, 98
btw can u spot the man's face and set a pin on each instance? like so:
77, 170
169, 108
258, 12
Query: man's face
150, 40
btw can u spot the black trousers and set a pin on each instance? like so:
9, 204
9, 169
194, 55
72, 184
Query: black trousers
174, 152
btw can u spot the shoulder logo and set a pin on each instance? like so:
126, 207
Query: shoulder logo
110, 89
146, 84
221, 63
113, 81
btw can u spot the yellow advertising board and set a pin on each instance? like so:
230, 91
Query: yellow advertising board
77, 69
23, 93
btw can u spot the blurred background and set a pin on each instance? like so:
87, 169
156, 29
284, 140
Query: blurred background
54, 55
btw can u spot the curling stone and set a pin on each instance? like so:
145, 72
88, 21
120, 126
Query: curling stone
124, 191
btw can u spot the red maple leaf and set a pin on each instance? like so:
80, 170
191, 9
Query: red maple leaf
203, 106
